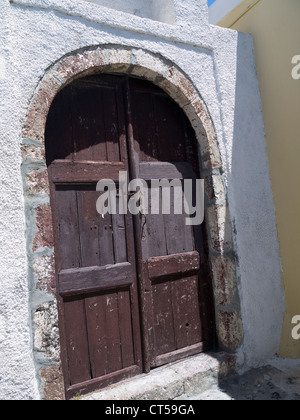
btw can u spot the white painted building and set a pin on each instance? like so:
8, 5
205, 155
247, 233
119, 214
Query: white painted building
210, 72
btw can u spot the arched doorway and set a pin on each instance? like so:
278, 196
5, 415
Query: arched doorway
134, 292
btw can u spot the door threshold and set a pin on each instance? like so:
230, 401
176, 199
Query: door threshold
189, 376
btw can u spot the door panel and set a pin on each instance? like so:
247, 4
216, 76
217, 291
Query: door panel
171, 274
95, 256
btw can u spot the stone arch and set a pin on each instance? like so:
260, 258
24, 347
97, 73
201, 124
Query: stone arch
137, 62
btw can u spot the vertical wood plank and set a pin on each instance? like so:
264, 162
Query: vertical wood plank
179, 236
68, 227
99, 146
96, 325
170, 131
87, 126
76, 338
185, 298
59, 134
153, 231
126, 332
88, 227
111, 124
119, 236
106, 240
163, 319
180, 299
120, 95
145, 127
195, 326
112, 332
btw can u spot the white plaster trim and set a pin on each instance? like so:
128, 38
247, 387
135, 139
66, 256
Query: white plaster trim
120, 20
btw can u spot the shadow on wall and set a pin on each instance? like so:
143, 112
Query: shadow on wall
160, 10
252, 208
260, 294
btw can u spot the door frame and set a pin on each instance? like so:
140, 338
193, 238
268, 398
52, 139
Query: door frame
178, 86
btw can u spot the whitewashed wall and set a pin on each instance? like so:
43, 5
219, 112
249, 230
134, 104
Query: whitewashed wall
34, 34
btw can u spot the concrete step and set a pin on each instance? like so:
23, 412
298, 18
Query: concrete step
279, 380
194, 375
213, 394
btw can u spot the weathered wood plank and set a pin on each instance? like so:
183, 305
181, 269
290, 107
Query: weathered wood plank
86, 124
145, 129
187, 321
59, 126
164, 170
111, 124
102, 382
91, 279
169, 129
64, 172
88, 227
180, 354
95, 321
175, 227
68, 227
119, 237
76, 339
173, 264
165, 339
114, 359
126, 328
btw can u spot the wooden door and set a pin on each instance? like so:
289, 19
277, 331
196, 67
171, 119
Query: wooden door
133, 292
95, 256
176, 295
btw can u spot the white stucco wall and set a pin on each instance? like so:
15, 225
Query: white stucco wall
250, 198
17, 372
36, 33
161, 10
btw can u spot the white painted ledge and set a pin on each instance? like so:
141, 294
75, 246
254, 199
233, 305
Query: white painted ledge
184, 31
159, 10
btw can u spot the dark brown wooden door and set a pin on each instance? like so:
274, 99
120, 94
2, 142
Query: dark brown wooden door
124, 283
174, 280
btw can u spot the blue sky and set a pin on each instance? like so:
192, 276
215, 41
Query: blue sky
210, 2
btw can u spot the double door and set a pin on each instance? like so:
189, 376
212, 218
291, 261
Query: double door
133, 290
